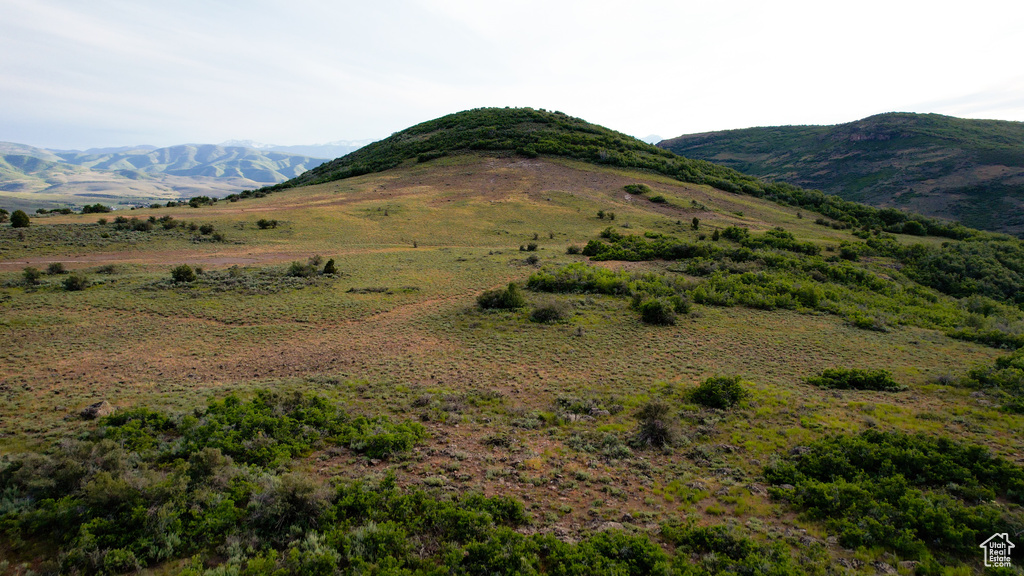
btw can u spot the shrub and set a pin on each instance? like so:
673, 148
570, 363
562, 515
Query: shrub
76, 282
735, 233
300, 270
330, 267
263, 223
914, 228
907, 493
657, 311
31, 275
637, 188
574, 249
183, 273
4, 215
509, 298
551, 311
56, 268
657, 425
720, 392
659, 199
856, 379
95, 209
695, 223
206, 229
531, 247
19, 219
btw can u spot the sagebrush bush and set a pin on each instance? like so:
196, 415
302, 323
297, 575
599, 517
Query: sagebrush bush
720, 392
657, 311
658, 427
551, 311
76, 282
183, 273
31, 275
856, 379
508, 298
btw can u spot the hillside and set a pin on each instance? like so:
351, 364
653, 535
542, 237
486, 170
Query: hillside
35, 178
491, 363
941, 166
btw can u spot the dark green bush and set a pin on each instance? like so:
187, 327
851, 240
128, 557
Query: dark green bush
76, 282
183, 273
19, 219
637, 188
912, 494
508, 298
856, 379
95, 208
264, 223
657, 311
659, 199
720, 392
330, 267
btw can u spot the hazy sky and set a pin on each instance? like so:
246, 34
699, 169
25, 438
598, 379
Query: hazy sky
77, 74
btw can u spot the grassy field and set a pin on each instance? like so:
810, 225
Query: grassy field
397, 331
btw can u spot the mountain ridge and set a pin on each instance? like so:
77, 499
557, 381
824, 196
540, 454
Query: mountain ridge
942, 166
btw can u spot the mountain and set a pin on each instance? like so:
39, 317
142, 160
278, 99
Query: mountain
967, 170
328, 150
37, 178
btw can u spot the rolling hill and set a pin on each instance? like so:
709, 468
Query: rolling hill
35, 178
966, 170
555, 353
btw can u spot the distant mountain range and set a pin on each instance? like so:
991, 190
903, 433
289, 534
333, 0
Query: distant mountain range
966, 170
32, 178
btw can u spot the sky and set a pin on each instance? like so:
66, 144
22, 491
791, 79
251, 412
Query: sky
76, 75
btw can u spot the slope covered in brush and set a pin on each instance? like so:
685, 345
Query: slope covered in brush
531, 133
968, 170
522, 131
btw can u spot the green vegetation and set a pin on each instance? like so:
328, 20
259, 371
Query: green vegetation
774, 270
720, 392
19, 219
183, 273
76, 282
1004, 379
916, 495
508, 298
926, 162
856, 379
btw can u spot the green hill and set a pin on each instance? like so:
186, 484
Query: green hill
966, 170
508, 361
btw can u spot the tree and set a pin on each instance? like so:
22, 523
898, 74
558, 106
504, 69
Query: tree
4, 215
19, 219
696, 223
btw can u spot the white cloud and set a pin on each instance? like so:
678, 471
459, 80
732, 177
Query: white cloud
97, 73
